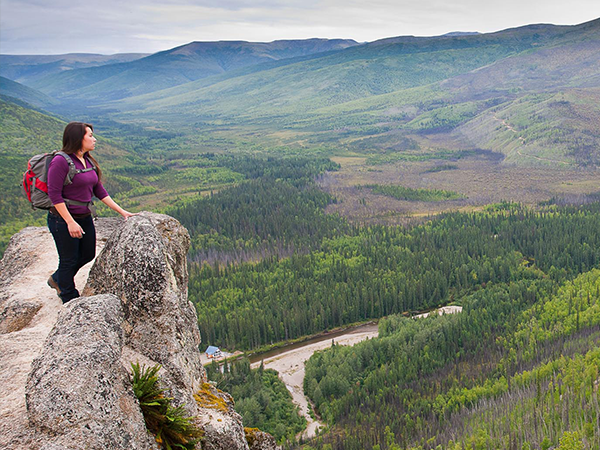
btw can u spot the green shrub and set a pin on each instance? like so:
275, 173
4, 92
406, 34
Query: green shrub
169, 424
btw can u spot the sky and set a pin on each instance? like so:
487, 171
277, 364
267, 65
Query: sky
147, 26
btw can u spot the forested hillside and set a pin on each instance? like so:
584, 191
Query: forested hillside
518, 368
17, 91
173, 67
23, 133
497, 375
376, 271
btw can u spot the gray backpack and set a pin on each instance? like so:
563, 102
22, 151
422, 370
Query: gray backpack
35, 180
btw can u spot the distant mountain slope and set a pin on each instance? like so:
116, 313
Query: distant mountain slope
26, 132
28, 68
353, 74
425, 85
176, 66
21, 92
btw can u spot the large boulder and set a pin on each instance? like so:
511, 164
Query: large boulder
78, 392
144, 264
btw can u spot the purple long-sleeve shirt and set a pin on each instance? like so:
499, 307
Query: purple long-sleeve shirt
82, 188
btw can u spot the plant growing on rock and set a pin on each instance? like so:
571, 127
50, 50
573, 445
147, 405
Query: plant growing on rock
169, 424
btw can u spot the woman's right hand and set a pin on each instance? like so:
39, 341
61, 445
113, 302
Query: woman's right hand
75, 230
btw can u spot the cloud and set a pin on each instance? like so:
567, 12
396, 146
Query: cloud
111, 26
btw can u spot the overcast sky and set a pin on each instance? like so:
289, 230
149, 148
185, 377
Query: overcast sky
122, 26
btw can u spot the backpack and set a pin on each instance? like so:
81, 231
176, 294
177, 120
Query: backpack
35, 179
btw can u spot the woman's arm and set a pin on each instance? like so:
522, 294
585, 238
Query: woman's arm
113, 205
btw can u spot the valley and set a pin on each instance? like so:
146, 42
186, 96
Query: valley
326, 183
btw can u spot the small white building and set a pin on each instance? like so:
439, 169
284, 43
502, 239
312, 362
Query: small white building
213, 352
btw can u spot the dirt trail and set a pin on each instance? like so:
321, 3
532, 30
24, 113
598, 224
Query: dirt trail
522, 139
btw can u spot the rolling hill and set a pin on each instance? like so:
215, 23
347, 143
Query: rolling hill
412, 85
508, 92
26, 94
382, 67
176, 66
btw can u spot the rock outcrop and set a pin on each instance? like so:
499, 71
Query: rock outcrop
78, 394
144, 265
28, 312
134, 309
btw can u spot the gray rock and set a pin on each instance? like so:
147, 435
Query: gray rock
222, 425
16, 315
78, 393
18, 256
144, 264
135, 309
260, 440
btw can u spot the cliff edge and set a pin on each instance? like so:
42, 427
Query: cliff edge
64, 370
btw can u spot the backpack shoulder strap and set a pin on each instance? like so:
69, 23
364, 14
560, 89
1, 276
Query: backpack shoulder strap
72, 169
67, 157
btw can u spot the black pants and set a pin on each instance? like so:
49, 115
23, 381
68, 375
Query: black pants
73, 253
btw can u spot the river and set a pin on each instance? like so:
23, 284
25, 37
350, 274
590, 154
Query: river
289, 361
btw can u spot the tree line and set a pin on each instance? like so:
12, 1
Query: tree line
376, 271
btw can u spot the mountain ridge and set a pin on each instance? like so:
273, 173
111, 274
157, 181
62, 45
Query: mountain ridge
353, 89
28, 68
390, 48
176, 66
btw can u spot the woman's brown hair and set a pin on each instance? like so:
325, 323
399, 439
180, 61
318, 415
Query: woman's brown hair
73, 140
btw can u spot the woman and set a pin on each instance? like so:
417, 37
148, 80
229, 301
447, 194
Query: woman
71, 223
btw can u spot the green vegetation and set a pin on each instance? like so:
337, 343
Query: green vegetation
18, 93
169, 424
277, 211
261, 399
444, 118
541, 129
405, 193
286, 96
441, 168
376, 271
522, 352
